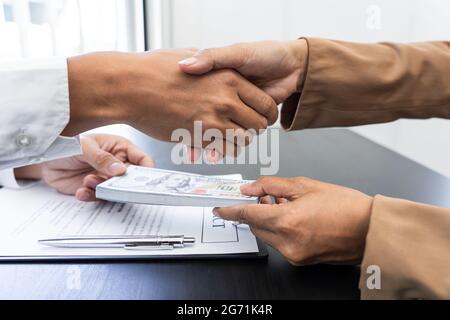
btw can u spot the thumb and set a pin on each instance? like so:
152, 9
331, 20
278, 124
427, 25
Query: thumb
215, 58
102, 161
272, 186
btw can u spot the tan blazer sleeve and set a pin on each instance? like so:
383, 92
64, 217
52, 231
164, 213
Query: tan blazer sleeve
348, 84
410, 243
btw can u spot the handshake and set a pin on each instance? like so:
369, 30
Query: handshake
233, 89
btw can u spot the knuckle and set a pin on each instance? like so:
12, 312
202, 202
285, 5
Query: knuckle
283, 226
302, 180
102, 158
267, 104
242, 52
293, 255
85, 180
228, 77
265, 180
122, 144
207, 53
262, 123
223, 108
243, 214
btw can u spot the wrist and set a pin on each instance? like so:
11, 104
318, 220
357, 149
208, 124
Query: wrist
366, 213
299, 56
93, 86
33, 172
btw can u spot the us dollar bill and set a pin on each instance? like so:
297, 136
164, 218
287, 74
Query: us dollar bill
166, 187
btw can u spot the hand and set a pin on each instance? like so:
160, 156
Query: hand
104, 156
274, 66
310, 221
149, 92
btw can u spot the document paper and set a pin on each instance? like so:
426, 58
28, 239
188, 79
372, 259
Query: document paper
39, 212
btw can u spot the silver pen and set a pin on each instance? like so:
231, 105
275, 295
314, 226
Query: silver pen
126, 242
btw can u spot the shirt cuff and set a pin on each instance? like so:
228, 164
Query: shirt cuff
34, 99
62, 147
8, 180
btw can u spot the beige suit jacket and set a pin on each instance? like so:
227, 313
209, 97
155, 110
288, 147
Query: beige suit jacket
347, 84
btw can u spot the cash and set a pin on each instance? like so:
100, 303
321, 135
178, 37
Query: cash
173, 188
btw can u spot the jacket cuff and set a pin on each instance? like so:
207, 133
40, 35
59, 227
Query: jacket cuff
349, 84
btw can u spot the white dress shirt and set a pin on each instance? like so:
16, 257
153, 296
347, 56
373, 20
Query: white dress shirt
34, 104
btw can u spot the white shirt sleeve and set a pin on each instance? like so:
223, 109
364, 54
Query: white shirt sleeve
34, 105
8, 180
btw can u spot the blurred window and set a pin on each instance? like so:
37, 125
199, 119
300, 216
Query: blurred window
45, 28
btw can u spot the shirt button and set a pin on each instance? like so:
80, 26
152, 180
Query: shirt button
23, 140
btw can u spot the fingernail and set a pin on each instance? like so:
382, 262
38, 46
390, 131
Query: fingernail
116, 168
188, 61
83, 196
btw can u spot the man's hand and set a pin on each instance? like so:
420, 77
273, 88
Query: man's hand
274, 66
104, 156
310, 221
149, 92
277, 67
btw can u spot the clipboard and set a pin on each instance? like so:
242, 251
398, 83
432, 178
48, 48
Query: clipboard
46, 213
261, 254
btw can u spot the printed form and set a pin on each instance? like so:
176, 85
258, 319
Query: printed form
39, 212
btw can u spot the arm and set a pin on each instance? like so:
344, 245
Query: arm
326, 83
408, 241
347, 84
41, 100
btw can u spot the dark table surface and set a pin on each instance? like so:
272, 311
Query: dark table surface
334, 155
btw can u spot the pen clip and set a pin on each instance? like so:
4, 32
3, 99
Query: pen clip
150, 248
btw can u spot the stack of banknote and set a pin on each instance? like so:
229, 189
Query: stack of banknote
173, 188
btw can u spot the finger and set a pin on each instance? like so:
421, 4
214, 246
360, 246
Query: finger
281, 200
102, 161
85, 194
91, 181
266, 200
220, 150
246, 117
192, 153
268, 237
258, 100
228, 130
215, 58
138, 157
259, 215
273, 186
213, 156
